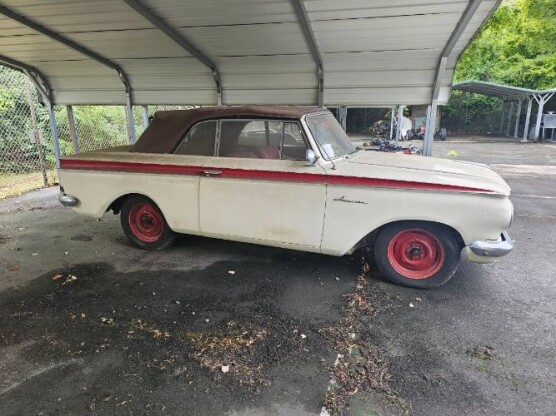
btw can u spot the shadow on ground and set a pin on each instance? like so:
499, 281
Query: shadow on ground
89, 338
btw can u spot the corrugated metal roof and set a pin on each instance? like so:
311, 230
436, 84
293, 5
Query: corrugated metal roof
375, 53
506, 92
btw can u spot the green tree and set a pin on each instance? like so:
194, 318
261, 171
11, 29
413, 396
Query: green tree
516, 47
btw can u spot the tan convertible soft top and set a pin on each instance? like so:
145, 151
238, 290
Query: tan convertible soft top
168, 127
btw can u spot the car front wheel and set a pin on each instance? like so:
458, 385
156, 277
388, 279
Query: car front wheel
415, 254
144, 224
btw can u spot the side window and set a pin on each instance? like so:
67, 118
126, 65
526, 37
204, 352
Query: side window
252, 139
199, 141
294, 145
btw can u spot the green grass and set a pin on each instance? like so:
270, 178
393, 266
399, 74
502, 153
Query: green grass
17, 184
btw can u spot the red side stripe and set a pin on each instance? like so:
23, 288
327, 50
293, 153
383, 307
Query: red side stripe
133, 167
254, 174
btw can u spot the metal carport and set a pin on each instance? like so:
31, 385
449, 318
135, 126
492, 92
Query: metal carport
510, 94
328, 52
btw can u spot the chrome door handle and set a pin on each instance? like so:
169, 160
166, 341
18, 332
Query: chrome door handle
209, 173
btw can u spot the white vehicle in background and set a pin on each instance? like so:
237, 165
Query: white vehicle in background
289, 177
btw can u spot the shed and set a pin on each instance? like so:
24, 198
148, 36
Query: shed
511, 95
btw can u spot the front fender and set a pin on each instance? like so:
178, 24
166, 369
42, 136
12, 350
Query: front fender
473, 216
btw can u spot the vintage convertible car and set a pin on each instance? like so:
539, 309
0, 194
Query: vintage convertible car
290, 177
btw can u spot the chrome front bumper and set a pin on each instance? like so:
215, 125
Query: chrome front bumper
67, 200
492, 248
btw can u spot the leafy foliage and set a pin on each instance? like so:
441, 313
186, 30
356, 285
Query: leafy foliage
517, 47
97, 127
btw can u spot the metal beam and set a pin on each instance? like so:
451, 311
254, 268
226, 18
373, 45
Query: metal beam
146, 120
69, 43
510, 113
400, 121
541, 100
392, 117
43, 88
55, 137
305, 23
527, 120
130, 121
342, 116
464, 20
37, 78
72, 129
180, 39
518, 117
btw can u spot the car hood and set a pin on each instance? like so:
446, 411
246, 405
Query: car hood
421, 169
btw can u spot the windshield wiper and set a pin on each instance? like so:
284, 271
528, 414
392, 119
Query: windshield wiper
358, 148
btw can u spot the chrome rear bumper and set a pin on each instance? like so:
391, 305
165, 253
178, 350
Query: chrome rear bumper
498, 248
67, 200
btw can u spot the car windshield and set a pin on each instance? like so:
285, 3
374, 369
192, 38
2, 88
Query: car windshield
331, 139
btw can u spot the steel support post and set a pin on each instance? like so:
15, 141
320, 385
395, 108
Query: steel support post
130, 122
146, 121
36, 132
541, 99
430, 129
392, 117
502, 117
72, 129
54, 132
517, 117
540, 108
342, 116
458, 31
400, 120
527, 120
305, 23
510, 113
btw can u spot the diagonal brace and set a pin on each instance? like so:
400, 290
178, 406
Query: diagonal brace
181, 40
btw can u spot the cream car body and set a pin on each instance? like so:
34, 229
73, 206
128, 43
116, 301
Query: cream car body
329, 207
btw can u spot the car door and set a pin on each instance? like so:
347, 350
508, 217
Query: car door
260, 188
179, 193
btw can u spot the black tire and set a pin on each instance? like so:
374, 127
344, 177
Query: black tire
417, 254
144, 225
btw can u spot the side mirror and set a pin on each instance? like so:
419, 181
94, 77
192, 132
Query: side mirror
311, 157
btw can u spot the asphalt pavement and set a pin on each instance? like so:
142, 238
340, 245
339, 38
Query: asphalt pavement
91, 325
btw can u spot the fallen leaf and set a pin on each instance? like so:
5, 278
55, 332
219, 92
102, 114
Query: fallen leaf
225, 368
57, 276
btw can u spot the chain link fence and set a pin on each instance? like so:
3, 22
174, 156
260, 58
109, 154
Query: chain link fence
27, 159
468, 113
26, 154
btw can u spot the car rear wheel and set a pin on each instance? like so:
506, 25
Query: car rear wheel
144, 224
417, 254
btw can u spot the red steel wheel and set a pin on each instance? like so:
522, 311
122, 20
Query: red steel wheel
416, 253
146, 222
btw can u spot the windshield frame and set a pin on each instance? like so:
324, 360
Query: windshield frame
319, 146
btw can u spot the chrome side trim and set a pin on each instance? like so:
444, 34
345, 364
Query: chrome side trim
493, 248
67, 200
